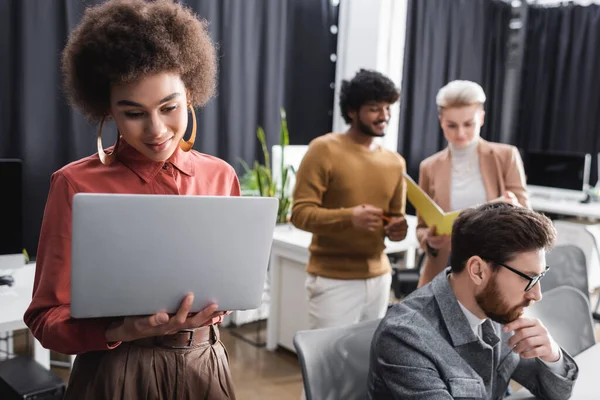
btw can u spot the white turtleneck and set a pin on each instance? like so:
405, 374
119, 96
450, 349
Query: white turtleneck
466, 189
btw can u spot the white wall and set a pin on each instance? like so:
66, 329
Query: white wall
370, 35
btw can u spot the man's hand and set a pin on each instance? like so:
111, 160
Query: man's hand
367, 218
133, 328
396, 229
531, 339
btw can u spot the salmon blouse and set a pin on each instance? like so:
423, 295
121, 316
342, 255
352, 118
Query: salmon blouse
184, 173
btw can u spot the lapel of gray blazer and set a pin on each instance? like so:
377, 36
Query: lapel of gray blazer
481, 356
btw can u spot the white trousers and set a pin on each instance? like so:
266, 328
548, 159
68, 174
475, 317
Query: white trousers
339, 302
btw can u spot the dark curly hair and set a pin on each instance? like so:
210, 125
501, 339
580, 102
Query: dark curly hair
121, 41
366, 86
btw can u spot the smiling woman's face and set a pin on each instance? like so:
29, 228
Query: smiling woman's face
151, 114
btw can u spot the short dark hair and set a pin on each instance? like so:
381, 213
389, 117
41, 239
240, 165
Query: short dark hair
365, 87
498, 232
121, 41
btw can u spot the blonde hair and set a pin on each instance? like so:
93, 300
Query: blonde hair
459, 94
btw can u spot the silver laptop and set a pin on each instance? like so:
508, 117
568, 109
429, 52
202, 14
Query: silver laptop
141, 254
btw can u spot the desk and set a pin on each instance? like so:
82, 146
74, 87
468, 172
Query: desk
14, 301
288, 312
566, 207
587, 386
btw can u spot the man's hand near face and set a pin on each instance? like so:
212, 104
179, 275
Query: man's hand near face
531, 339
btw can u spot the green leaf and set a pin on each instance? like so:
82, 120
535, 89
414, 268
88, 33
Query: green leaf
284, 136
258, 178
248, 181
262, 176
260, 133
245, 165
284, 207
268, 187
284, 178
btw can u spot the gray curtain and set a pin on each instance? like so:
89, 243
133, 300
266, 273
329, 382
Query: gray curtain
310, 73
255, 39
447, 40
559, 107
251, 35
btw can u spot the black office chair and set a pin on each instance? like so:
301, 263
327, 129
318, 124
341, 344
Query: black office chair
23, 378
405, 281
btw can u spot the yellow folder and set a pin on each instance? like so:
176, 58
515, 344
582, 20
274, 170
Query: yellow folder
431, 213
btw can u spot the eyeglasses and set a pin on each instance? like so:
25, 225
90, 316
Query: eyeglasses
533, 280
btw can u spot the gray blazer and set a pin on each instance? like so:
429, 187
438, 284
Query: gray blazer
424, 348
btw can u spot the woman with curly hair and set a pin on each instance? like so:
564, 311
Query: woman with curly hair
143, 65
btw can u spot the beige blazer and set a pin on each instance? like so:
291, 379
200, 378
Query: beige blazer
501, 169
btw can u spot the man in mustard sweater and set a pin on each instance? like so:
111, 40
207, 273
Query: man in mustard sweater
350, 194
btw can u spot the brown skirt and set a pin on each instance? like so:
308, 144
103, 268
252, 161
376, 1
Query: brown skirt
133, 371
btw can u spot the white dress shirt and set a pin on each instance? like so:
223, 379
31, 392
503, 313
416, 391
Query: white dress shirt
558, 366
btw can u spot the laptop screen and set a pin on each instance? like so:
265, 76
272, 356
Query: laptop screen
11, 212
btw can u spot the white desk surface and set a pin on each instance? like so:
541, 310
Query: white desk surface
288, 235
14, 300
566, 207
587, 386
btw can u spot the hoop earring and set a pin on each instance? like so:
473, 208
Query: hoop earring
107, 158
187, 145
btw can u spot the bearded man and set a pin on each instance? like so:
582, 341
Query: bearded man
350, 194
464, 334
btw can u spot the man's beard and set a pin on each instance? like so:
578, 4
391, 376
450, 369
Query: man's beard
367, 130
490, 301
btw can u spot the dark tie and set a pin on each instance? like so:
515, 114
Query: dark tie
488, 334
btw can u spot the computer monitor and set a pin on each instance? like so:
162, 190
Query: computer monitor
557, 175
11, 213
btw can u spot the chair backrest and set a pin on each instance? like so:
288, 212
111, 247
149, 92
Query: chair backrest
567, 268
565, 312
593, 261
335, 361
582, 236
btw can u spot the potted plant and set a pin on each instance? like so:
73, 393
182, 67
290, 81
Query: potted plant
259, 180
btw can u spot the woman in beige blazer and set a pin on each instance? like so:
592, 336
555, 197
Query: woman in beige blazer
468, 172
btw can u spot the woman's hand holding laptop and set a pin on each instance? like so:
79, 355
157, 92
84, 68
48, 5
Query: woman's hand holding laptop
133, 328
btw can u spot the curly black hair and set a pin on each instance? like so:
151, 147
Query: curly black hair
121, 41
365, 87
